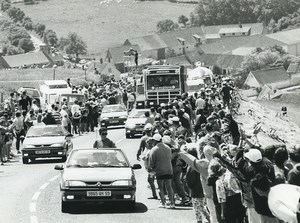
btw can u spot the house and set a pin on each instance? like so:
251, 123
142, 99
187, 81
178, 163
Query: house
151, 46
290, 40
104, 70
229, 64
235, 31
181, 60
37, 59
116, 56
275, 78
233, 45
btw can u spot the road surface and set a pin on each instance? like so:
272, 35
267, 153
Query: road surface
30, 193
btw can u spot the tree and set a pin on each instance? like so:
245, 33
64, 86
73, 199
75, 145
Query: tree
166, 26
16, 14
39, 29
74, 44
26, 44
183, 20
170, 53
16, 34
51, 37
5, 5
12, 50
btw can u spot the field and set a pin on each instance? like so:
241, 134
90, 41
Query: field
103, 23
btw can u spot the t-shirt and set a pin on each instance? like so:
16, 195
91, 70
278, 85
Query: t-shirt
105, 143
200, 103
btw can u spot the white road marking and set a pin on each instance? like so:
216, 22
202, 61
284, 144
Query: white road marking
32, 207
120, 140
36, 195
44, 186
54, 178
33, 219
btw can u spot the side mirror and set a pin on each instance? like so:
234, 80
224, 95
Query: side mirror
58, 167
136, 167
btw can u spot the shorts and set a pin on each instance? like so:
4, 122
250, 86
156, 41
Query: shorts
164, 177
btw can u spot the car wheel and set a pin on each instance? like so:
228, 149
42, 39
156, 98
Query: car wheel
127, 136
65, 207
25, 160
64, 158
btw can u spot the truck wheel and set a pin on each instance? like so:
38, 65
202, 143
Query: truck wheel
65, 207
25, 160
127, 135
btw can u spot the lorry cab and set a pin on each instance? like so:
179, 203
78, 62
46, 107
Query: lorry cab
51, 88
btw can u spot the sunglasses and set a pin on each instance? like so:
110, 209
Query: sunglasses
104, 133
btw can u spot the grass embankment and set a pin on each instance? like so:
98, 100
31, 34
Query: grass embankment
102, 24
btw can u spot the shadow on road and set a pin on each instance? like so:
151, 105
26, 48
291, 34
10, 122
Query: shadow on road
107, 209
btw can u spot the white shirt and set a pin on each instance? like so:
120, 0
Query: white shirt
75, 108
200, 103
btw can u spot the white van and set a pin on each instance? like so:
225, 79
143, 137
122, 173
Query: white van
51, 88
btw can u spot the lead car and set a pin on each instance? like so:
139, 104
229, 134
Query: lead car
97, 176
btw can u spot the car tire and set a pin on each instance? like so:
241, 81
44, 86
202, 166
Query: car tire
127, 136
65, 207
25, 160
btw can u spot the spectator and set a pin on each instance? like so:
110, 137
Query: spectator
104, 142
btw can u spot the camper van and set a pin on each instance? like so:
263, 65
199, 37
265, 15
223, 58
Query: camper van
51, 88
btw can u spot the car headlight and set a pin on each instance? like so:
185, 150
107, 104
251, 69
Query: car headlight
26, 146
123, 117
122, 183
130, 126
74, 183
57, 145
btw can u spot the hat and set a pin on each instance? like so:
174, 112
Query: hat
175, 119
166, 139
148, 127
167, 132
254, 155
157, 137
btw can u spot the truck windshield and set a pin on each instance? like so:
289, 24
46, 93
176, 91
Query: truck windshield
58, 86
169, 81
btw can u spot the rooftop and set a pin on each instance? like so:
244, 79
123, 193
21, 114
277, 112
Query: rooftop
234, 30
272, 75
288, 37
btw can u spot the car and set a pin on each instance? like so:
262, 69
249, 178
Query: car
135, 122
113, 115
31, 92
44, 141
97, 176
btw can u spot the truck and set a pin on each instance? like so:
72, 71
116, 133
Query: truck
161, 84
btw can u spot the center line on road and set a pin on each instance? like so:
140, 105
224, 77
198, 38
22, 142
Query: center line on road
54, 178
32, 207
33, 219
120, 140
44, 186
36, 195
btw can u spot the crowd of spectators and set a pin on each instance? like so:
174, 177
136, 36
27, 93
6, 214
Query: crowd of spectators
200, 156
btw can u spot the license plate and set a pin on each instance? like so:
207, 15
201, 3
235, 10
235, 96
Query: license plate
113, 121
42, 152
139, 129
99, 193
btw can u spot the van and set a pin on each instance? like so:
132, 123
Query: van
50, 89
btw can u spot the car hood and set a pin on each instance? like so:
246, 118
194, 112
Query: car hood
135, 121
113, 114
97, 174
44, 140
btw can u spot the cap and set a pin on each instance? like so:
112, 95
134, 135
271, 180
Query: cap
157, 137
175, 119
166, 139
167, 132
254, 155
148, 127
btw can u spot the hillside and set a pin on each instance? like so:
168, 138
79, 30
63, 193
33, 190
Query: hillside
282, 127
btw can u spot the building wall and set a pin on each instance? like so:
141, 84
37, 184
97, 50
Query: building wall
178, 48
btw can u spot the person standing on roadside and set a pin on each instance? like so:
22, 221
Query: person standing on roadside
125, 98
25, 102
19, 131
160, 160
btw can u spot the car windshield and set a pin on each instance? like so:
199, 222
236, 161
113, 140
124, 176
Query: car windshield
137, 114
113, 108
32, 93
97, 158
46, 131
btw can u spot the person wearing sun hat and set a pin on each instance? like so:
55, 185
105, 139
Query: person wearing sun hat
259, 173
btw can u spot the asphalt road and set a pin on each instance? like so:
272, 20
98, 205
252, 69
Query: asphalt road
30, 193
